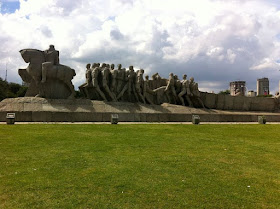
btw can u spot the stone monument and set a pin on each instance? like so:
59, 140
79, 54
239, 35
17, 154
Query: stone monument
108, 91
45, 76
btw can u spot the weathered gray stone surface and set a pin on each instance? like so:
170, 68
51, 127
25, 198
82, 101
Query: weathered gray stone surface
240, 103
36, 109
45, 75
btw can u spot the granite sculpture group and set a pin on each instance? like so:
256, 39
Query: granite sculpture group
48, 78
104, 82
128, 93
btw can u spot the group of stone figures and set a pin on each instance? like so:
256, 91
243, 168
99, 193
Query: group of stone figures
48, 78
104, 82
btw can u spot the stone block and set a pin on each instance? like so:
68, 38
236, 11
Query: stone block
40, 116
23, 116
209, 100
238, 102
228, 102
179, 117
164, 117
106, 117
61, 116
152, 117
127, 117
220, 101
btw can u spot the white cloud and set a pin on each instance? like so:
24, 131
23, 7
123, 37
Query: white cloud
266, 64
216, 41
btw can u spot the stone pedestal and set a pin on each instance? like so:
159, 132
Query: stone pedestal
32, 109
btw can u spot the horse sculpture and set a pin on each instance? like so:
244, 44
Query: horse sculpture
57, 75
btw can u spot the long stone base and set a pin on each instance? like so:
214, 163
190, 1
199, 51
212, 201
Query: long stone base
31, 109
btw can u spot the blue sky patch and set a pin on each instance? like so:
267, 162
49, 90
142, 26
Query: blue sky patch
9, 6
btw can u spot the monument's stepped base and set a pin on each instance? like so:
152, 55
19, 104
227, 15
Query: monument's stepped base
31, 109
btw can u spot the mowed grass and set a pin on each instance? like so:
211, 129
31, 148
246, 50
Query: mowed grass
139, 166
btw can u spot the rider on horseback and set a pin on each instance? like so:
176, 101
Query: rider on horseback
51, 56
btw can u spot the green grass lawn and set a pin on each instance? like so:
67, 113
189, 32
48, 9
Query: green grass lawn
139, 166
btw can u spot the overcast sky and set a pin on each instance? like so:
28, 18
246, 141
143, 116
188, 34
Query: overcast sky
214, 41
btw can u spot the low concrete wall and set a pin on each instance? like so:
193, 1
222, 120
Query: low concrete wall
83, 110
241, 103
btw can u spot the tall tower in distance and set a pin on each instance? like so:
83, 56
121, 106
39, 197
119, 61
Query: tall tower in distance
237, 88
263, 86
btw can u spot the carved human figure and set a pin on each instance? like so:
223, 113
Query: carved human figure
105, 81
95, 72
131, 76
177, 84
88, 74
185, 91
130, 85
147, 90
120, 78
52, 57
114, 81
140, 84
195, 92
170, 89
103, 65
156, 81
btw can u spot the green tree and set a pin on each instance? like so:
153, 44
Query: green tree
11, 90
224, 92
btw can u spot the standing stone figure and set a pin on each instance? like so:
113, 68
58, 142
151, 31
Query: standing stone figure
170, 89
94, 78
185, 90
177, 84
52, 56
195, 92
130, 85
120, 78
139, 85
84, 87
105, 81
114, 75
147, 90
88, 74
131, 76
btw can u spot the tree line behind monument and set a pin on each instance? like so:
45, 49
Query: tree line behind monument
104, 82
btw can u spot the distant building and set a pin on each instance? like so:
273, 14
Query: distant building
237, 88
251, 94
263, 86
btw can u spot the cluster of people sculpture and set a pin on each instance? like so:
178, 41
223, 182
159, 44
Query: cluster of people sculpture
48, 78
104, 82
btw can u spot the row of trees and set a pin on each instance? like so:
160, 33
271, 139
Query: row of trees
11, 90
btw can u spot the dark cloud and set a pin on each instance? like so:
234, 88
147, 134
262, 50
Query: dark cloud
116, 34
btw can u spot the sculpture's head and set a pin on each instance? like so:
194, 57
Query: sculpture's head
131, 67
141, 71
51, 47
112, 66
184, 76
119, 66
191, 79
176, 77
170, 74
88, 66
147, 77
